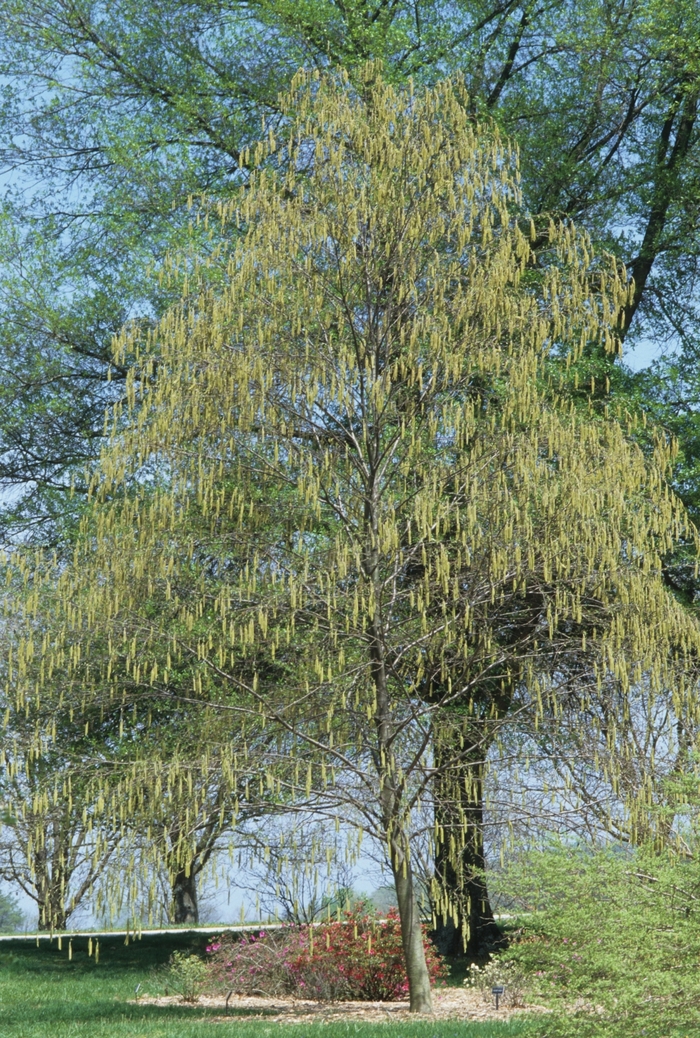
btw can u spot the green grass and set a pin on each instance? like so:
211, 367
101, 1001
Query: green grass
44, 995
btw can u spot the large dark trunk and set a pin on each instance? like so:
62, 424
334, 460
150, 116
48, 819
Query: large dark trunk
52, 918
185, 907
465, 924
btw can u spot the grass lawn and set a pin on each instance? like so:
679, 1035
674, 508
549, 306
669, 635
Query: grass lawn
43, 995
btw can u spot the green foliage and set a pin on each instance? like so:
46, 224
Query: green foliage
608, 938
11, 916
601, 98
186, 975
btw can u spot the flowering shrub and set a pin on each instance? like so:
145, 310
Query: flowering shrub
507, 974
358, 958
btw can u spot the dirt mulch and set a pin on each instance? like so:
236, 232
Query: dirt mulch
448, 1004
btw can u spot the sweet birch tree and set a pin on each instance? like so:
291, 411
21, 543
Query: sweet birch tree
360, 407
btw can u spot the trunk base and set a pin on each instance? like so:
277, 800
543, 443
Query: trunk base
412, 938
185, 907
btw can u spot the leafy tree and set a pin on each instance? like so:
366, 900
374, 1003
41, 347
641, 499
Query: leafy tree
70, 828
52, 845
114, 115
370, 376
58, 870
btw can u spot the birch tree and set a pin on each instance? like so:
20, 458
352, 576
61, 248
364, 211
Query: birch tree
361, 404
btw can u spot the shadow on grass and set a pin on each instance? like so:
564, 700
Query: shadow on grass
56, 1017
54, 1012
138, 955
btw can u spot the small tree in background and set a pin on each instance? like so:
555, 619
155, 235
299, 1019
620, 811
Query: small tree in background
11, 916
54, 845
277, 869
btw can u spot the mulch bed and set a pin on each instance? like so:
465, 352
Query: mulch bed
448, 1004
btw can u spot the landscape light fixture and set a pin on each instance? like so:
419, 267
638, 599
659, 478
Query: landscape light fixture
497, 990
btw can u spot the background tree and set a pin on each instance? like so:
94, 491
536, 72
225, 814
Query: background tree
11, 916
80, 801
609, 770
298, 870
58, 869
53, 845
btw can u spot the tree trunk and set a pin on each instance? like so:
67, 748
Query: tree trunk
411, 934
185, 907
51, 885
53, 913
465, 922
411, 931
51, 918
389, 790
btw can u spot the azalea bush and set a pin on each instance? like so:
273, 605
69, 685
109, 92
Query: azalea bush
358, 957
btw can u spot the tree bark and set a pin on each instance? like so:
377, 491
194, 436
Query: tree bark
185, 906
51, 917
51, 884
390, 799
411, 934
465, 923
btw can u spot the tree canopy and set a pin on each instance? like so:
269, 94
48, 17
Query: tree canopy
113, 115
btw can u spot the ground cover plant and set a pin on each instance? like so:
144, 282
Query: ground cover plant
501, 972
44, 993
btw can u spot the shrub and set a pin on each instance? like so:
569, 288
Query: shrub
186, 976
255, 964
510, 975
610, 938
357, 958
